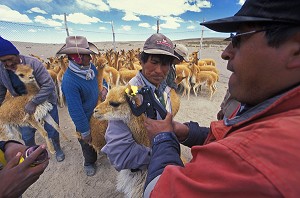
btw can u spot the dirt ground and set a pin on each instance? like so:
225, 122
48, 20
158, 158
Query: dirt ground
67, 178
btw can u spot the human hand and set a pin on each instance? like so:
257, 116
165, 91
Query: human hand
181, 131
103, 94
154, 127
15, 178
87, 139
30, 107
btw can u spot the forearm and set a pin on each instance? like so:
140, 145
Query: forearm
196, 135
165, 151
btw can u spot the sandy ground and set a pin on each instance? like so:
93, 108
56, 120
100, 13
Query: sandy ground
67, 178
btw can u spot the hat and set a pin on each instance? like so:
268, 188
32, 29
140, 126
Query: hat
182, 52
7, 48
159, 44
282, 11
78, 45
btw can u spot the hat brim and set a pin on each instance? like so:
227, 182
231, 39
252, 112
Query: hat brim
231, 24
75, 50
157, 51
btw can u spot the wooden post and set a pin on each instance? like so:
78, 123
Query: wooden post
157, 26
114, 41
66, 26
201, 41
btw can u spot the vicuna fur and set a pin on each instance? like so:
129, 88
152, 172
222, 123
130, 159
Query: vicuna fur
12, 111
115, 107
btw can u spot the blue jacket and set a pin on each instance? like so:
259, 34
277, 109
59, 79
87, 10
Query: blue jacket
81, 97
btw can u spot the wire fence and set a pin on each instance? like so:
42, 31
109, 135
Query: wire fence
45, 34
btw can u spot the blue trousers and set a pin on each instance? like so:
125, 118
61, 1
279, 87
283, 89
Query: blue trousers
28, 133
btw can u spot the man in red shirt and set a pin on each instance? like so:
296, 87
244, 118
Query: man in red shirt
255, 153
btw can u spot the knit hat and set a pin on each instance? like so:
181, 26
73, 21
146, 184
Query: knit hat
7, 48
159, 44
259, 11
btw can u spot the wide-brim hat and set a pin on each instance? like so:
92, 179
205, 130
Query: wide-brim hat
181, 51
159, 44
259, 11
78, 45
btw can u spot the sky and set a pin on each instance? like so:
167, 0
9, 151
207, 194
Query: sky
132, 20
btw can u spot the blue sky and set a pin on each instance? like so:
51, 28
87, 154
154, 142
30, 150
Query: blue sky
132, 20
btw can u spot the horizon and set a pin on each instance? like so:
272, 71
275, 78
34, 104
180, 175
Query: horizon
43, 21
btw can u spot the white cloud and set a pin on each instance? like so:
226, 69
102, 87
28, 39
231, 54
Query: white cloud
145, 25
241, 2
102, 28
126, 27
129, 16
50, 22
32, 30
156, 8
37, 10
8, 14
191, 27
171, 22
77, 18
93, 5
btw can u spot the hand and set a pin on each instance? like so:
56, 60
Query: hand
30, 107
87, 139
154, 127
15, 178
103, 94
181, 131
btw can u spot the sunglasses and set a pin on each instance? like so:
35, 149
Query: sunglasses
236, 38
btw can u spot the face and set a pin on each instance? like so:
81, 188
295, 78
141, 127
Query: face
257, 69
81, 59
10, 61
155, 70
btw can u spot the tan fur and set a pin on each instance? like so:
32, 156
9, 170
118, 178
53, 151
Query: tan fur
12, 111
115, 107
183, 75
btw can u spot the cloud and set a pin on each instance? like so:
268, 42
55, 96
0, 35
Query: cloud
241, 2
191, 27
145, 25
8, 14
32, 30
50, 22
37, 10
155, 8
93, 5
131, 17
102, 28
77, 18
171, 22
126, 27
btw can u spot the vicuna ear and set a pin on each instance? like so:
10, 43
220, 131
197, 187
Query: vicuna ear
294, 61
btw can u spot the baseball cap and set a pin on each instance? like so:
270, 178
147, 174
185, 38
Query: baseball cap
159, 44
257, 11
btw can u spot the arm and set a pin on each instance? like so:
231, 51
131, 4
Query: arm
44, 81
15, 178
122, 150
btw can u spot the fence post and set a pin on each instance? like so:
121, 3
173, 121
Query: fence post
65, 19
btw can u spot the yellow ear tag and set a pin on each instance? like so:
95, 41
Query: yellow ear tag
21, 159
132, 91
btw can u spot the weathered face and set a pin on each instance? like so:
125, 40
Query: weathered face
258, 70
10, 61
155, 70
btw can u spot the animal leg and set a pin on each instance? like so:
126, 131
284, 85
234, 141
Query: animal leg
44, 134
52, 122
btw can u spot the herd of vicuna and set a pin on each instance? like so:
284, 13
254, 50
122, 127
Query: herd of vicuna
117, 69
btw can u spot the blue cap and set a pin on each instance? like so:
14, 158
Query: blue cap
7, 48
